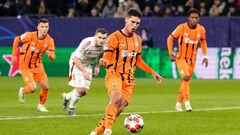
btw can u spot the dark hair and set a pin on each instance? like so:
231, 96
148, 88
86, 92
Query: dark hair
134, 12
43, 20
102, 31
193, 11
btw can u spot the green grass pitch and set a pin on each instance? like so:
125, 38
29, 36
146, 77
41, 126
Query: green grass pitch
215, 103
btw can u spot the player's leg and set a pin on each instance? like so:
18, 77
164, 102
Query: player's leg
41, 77
183, 69
114, 85
30, 86
178, 106
76, 94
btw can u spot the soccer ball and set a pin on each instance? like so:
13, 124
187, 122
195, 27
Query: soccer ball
134, 123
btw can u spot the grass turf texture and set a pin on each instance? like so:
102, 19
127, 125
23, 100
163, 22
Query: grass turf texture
148, 97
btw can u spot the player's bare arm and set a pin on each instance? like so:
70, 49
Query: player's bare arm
80, 66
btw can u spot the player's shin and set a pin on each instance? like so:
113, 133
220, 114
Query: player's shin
75, 96
43, 96
110, 113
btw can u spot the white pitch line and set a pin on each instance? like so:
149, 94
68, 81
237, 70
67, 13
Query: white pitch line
94, 115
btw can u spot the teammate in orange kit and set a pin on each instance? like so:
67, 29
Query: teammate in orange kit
189, 35
121, 56
30, 62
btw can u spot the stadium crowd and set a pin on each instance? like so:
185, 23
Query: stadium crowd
117, 8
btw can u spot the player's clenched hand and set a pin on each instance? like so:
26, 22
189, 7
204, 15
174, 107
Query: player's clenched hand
14, 60
96, 70
87, 75
205, 61
102, 62
172, 57
157, 77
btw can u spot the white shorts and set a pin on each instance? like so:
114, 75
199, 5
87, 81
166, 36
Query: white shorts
76, 77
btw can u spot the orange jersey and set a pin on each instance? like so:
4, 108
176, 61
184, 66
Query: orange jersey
33, 49
123, 54
188, 40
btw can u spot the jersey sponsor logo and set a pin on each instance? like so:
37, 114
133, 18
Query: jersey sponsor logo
187, 40
33, 43
125, 53
122, 45
185, 34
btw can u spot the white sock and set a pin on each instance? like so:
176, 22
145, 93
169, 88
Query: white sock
69, 94
178, 104
74, 98
187, 103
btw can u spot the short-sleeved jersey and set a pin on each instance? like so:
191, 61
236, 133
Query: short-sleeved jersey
124, 51
33, 49
188, 40
87, 51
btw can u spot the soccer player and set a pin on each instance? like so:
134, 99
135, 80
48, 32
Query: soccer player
81, 66
121, 56
189, 35
35, 44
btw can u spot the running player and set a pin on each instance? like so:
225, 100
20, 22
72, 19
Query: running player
35, 44
81, 66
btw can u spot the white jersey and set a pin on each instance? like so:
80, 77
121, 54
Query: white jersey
87, 52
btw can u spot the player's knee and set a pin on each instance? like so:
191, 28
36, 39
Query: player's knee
85, 92
45, 87
186, 78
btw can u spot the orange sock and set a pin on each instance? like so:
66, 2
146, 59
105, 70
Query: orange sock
110, 113
101, 126
180, 95
185, 90
43, 96
26, 90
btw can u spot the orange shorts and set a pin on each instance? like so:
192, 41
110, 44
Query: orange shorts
115, 82
31, 75
185, 68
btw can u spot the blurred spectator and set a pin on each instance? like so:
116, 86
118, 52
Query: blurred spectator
29, 8
180, 11
157, 12
203, 12
99, 7
8, 8
147, 39
121, 13
109, 9
83, 8
71, 13
131, 4
42, 10
217, 8
147, 12
230, 9
149, 3
167, 12
94, 12
189, 5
